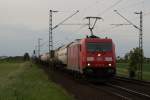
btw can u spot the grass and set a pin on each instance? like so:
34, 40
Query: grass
122, 70
25, 81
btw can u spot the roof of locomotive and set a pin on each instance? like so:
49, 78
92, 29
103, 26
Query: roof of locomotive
79, 41
97, 39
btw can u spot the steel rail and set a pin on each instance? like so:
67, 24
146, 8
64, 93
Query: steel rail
129, 90
108, 91
145, 83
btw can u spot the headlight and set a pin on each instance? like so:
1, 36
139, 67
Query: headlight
90, 58
108, 58
89, 64
99, 55
109, 65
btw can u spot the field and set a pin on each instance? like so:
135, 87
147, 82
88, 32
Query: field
25, 81
122, 70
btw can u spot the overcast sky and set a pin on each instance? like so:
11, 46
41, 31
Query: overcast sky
22, 22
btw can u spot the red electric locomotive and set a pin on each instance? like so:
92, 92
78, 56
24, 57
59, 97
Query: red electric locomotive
92, 57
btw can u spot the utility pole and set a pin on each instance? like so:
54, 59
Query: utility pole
91, 27
140, 45
36, 51
34, 55
39, 39
50, 33
140, 28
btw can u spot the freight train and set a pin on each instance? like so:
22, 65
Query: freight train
93, 57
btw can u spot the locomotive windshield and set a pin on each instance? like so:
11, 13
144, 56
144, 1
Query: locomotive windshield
99, 46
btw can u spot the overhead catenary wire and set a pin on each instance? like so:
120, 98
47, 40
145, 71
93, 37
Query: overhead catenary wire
90, 6
118, 26
44, 43
126, 19
115, 4
145, 14
60, 41
56, 43
65, 19
109, 8
69, 38
132, 5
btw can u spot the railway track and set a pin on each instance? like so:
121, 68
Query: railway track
126, 89
140, 86
140, 95
118, 89
110, 91
121, 92
132, 87
140, 82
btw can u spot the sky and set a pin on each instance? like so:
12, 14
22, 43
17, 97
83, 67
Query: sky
22, 22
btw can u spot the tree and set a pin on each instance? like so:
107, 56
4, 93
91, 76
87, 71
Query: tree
134, 60
26, 56
126, 57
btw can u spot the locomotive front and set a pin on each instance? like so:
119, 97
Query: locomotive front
100, 60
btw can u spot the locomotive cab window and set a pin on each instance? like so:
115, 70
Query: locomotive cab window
99, 46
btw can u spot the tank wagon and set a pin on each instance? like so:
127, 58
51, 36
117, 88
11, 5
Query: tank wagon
60, 55
44, 58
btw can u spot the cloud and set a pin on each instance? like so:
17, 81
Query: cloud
16, 39
24, 21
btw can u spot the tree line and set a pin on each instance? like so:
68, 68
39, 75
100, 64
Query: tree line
133, 58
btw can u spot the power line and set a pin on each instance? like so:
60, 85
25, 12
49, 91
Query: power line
131, 5
108, 29
127, 20
74, 24
76, 31
107, 9
145, 14
90, 6
71, 35
65, 19
44, 43
118, 26
115, 4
